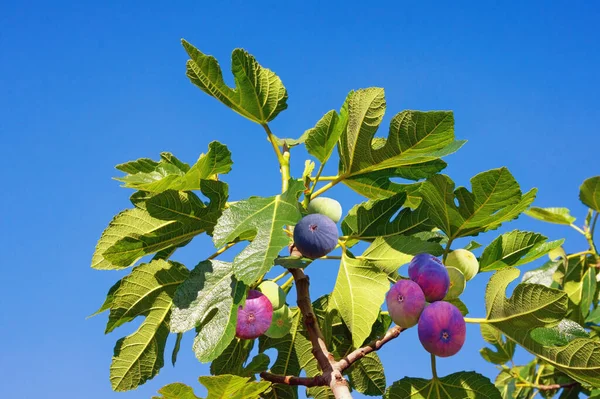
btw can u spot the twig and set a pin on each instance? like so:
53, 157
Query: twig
359, 353
223, 249
317, 381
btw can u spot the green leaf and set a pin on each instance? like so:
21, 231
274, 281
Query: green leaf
389, 253
233, 387
266, 217
505, 383
382, 218
110, 296
496, 198
367, 377
321, 139
176, 349
259, 94
208, 298
163, 221
589, 193
148, 291
415, 137
588, 290
532, 306
176, 390
258, 364
594, 317
472, 245
167, 175
542, 275
514, 249
551, 215
290, 142
460, 305
292, 262
464, 384
358, 295
232, 359
505, 349
287, 361
559, 335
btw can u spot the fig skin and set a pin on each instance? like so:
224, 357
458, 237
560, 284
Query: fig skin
326, 206
315, 235
274, 292
465, 261
281, 323
432, 277
254, 318
405, 302
442, 329
418, 261
457, 283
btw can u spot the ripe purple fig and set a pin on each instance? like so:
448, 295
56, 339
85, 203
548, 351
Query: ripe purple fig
405, 302
442, 329
255, 317
315, 235
432, 277
419, 261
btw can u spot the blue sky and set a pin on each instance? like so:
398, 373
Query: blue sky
87, 85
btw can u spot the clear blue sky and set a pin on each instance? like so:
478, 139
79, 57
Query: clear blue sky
87, 85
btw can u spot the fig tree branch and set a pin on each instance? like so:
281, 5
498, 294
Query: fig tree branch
375, 345
317, 381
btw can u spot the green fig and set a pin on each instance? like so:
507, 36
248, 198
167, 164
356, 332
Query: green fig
464, 261
274, 292
457, 283
326, 206
281, 323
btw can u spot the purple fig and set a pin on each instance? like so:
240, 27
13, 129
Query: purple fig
315, 235
442, 329
405, 302
418, 261
255, 317
432, 277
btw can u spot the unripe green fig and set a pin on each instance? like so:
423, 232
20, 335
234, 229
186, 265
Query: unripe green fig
326, 206
464, 261
281, 324
274, 292
457, 283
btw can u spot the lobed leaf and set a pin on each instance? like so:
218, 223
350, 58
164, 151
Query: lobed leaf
162, 221
265, 218
496, 198
322, 139
208, 299
551, 215
505, 349
147, 291
464, 384
390, 253
383, 218
259, 94
358, 294
514, 249
171, 174
367, 376
532, 306
232, 359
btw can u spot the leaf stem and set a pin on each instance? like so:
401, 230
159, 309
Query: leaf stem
588, 252
287, 284
447, 249
433, 367
475, 320
282, 275
577, 228
327, 186
271, 138
324, 178
330, 257
223, 249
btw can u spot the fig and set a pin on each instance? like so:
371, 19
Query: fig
326, 206
405, 302
418, 261
457, 283
464, 261
431, 276
254, 318
274, 292
281, 323
315, 235
442, 329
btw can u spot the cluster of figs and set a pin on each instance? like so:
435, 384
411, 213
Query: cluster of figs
420, 300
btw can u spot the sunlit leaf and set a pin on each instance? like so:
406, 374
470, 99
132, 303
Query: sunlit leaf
589, 193
551, 215
464, 384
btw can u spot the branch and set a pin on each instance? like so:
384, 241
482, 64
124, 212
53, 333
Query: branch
317, 381
359, 353
320, 352
556, 386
